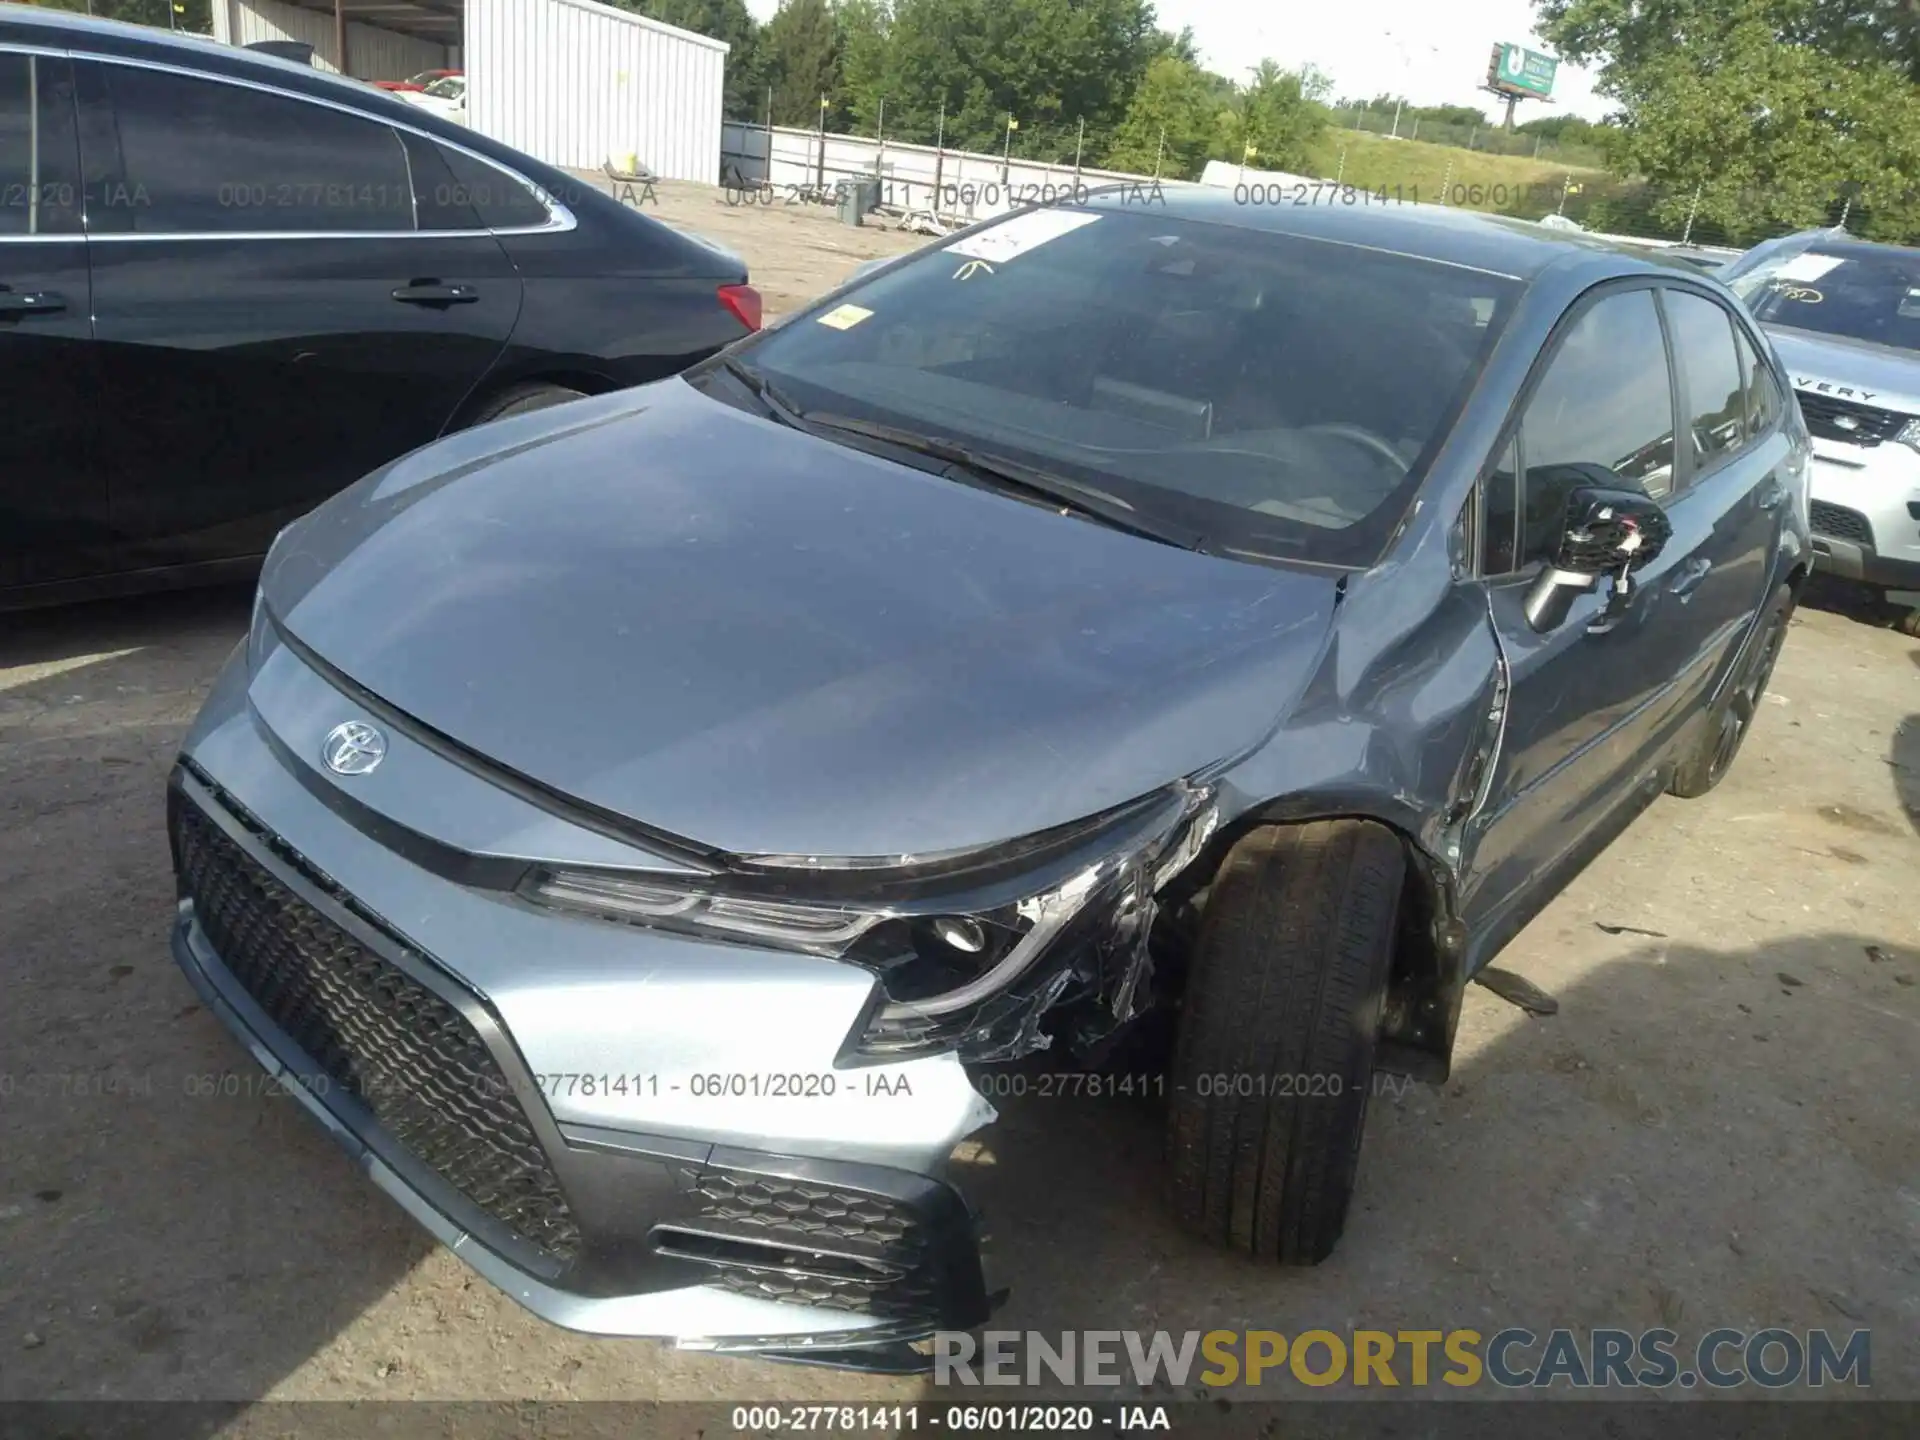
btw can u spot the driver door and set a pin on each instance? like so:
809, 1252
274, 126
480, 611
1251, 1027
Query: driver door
1591, 699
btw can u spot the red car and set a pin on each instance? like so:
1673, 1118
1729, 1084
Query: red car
418, 82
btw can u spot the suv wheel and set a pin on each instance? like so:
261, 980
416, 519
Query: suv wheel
1273, 1062
1727, 724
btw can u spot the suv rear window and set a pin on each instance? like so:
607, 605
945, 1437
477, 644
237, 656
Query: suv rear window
1279, 394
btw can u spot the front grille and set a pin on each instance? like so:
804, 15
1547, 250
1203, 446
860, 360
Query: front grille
1840, 523
909, 1273
403, 1052
1848, 420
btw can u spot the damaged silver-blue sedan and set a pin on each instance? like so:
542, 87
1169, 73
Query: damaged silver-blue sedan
631, 827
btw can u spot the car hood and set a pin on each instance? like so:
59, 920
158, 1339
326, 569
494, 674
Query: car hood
1881, 375
768, 643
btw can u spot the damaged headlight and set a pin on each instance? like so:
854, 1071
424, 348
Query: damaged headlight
969, 964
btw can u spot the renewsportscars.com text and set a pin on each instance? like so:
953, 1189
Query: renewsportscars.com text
1512, 1358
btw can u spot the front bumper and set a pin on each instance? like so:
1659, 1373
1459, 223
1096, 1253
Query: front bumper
1865, 523
817, 1229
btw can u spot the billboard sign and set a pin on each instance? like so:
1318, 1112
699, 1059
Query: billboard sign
1518, 71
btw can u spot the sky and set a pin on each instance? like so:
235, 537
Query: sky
1434, 54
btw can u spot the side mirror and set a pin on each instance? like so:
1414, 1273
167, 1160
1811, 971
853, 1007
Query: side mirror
1610, 532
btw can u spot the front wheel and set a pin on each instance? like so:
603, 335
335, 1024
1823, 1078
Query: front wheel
1273, 1061
1720, 739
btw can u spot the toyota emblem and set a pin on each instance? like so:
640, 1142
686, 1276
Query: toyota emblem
353, 748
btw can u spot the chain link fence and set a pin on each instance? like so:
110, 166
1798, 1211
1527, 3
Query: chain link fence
1488, 139
958, 186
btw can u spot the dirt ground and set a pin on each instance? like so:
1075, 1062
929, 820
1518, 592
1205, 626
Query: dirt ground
1717, 1128
793, 252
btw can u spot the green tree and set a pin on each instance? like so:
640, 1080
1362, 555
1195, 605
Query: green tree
801, 48
1273, 120
1769, 111
1170, 123
1048, 63
193, 15
866, 56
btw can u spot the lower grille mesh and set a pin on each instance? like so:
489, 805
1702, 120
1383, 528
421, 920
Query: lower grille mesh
909, 1280
406, 1054
1840, 523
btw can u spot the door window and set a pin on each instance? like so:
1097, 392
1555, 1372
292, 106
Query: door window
1762, 390
1703, 349
1601, 415
200, 157
1502, 492
39, 184
503, 202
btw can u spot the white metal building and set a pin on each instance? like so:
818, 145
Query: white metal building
571, 82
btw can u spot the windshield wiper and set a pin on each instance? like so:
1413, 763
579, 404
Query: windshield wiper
765, 391
1001, 473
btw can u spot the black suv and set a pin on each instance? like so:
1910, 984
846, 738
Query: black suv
230, 286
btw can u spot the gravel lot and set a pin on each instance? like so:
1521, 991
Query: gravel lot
1718, 1128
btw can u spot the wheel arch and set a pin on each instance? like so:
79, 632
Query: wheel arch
1427, 978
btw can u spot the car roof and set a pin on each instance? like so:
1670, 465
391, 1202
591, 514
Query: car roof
1498, 244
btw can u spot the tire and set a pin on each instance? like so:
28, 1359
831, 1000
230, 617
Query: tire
1720, 739
522, 400
1285, 987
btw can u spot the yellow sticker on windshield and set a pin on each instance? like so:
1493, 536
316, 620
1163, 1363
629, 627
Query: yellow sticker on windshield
845, 317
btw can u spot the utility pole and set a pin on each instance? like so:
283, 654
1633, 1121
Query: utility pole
939, 153
1686, 236
1079, 144
1160, 153
1397, 103
820, 163
1006, 154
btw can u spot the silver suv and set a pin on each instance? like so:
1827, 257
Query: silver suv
1844, 315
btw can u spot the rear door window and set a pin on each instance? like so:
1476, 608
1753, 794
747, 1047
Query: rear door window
1703, 347
1762, 390
191, 156
502, 201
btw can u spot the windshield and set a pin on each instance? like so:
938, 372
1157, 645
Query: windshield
452, 88
427, 77
1862, 294
1279, 395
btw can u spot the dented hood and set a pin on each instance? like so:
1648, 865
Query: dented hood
768, 643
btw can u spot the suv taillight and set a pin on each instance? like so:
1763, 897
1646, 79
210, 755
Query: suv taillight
744, 302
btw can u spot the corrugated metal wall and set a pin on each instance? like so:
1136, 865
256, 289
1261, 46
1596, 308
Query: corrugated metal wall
372, 53
576, 83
